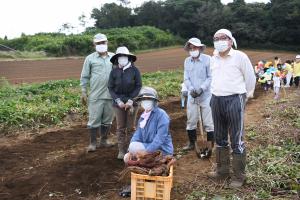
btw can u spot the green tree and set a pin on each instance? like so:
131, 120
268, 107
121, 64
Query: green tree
112, 16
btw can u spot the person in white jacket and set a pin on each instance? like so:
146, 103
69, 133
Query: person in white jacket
233, 82
276, 84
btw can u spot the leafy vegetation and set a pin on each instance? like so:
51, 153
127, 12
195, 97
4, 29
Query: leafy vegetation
33, 106
58, 44
22, 54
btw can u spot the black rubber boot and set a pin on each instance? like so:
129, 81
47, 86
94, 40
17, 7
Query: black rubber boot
238, 167
93, 140
192, 135
223, 164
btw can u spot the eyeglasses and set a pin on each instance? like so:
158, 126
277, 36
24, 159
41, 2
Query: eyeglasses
221, 38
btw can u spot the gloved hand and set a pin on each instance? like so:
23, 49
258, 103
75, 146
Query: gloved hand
84, 97
129, 104
194, 93
120, 103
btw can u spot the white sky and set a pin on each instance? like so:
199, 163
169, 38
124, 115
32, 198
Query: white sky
34, 16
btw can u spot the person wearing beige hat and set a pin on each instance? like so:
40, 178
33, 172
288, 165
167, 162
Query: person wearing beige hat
94, 78
197, 79
233, 81
124, 85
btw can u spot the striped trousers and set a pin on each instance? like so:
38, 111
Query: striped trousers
228, 117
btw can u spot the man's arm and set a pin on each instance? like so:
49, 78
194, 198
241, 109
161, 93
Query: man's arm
249, 76
85, 75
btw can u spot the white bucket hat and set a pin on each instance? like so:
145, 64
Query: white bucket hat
229, 34
99, 38
194, 41
122, 51
297, 56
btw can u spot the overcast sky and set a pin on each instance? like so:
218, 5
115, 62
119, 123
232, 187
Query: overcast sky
33, 16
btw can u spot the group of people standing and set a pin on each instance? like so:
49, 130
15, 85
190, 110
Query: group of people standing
278, 74
217, 88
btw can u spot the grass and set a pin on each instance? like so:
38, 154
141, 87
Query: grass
39, 105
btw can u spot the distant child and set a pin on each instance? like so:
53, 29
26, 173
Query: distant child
276, 84
184, 94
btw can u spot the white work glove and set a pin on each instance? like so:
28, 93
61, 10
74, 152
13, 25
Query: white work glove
120, 103
129, 105
84, 97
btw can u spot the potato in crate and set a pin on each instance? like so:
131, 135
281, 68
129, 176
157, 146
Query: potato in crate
145, 187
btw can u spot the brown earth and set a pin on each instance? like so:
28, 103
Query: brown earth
54, 165
55, 69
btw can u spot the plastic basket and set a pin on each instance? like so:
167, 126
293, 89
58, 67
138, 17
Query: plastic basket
144, 187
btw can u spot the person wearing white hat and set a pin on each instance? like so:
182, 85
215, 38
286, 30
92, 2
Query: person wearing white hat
197, 78
297, 71
95, 74
124, 85
233, 81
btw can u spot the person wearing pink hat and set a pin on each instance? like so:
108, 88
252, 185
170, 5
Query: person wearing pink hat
233, 82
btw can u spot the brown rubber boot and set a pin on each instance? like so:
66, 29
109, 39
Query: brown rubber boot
93, 140
121, 135
192, 139
104, 131
238, 166
223, 162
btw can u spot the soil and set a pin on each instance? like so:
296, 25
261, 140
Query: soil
54, 164
27, 71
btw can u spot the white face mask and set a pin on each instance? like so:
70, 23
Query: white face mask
221, 45
194, 54
123, 60
101, 48
147, 105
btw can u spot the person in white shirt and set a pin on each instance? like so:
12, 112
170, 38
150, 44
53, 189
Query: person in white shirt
276, 84
233, 82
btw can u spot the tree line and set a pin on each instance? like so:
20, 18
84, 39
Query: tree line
255, 25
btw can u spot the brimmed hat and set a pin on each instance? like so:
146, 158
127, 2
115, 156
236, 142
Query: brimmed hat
122, 51
297, 56
194, 41
99, 38
147, 93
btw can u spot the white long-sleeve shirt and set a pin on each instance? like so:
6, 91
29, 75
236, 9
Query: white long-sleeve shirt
232, 74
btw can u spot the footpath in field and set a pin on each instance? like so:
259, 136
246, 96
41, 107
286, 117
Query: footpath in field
54, 165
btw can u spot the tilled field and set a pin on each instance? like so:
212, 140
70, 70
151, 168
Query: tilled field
55, 69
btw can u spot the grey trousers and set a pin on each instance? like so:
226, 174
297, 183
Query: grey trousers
228, 117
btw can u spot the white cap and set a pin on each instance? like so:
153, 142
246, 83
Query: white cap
229, 34
297, 56
194, 41
99, 38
